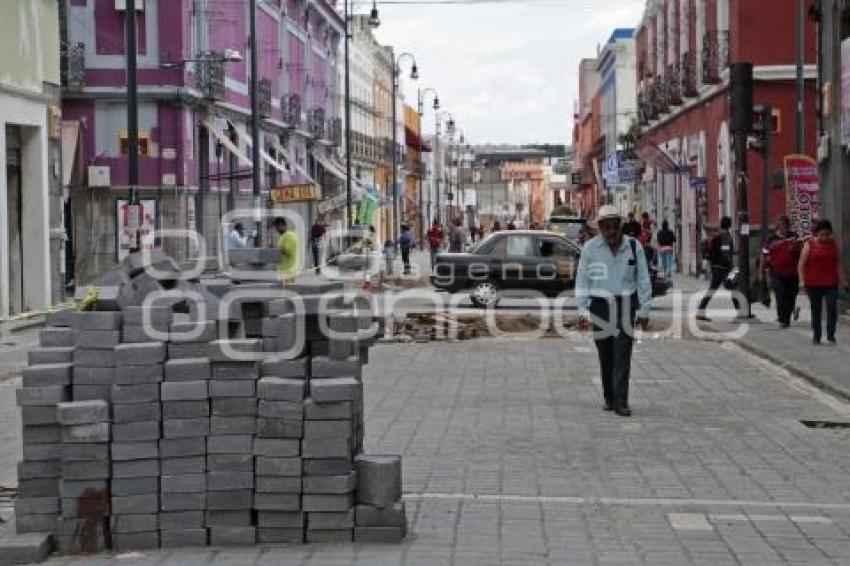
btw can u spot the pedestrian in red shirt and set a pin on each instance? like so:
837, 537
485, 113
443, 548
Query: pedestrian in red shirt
780, 258
435, 240
819, 271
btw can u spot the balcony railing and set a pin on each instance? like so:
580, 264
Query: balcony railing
715, 55
264, 97
689, 76
643, 108
335, 128
211, 76
674, 85
316, 123
74, 67
660, 101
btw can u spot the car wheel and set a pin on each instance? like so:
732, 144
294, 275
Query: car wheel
485, 294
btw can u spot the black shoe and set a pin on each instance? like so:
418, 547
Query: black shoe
608, 406
832, 341
623, 411
784, 325
816, 341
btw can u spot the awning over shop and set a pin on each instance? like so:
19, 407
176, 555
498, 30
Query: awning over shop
657, 158
290, 160
266, 157
415, 141
227, 143
70, 146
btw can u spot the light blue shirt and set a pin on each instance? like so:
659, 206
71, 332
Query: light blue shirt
602, 274
235, 241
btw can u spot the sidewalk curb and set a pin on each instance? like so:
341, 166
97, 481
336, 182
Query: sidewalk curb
795, 370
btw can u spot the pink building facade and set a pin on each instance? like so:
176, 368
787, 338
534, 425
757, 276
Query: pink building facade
194, 111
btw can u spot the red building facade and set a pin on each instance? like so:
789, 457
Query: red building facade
683, 54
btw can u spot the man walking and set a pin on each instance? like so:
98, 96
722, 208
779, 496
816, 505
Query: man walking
721, 256
405, 242
614, 288
287, 242
237, 239
435, 241
317, 234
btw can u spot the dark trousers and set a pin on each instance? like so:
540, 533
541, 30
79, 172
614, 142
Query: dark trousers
785, 287
405, 258
718, 275
614, 346
817, 296
314, 247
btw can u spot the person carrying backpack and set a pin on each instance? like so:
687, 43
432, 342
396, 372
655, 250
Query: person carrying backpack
405, 242
666, 242
721, 256
780, 257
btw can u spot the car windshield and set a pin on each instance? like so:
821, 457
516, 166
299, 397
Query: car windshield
568, 227
482, 244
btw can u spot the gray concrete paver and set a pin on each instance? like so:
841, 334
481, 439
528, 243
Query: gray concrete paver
508, 459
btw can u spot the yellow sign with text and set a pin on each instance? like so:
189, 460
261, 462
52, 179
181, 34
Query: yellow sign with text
295, 193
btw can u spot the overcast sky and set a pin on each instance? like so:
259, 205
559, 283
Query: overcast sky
507, 71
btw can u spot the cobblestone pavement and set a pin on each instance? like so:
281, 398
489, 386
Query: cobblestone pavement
509, 459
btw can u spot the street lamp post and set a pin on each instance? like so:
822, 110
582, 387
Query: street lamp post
438, 158
421, 109
414, 74
256, 170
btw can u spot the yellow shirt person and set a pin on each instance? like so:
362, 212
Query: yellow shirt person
288, 243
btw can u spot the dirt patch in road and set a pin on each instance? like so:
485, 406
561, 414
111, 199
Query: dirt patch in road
427, 327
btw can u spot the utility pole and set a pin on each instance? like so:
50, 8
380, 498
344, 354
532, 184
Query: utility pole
348, 204
134, 210
801, 92
395, 225
437, 165
255, 129
764, 129
741, 125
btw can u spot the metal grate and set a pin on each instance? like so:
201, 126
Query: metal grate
824, 424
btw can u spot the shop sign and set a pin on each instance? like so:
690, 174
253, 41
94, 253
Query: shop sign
295, 193
802, 182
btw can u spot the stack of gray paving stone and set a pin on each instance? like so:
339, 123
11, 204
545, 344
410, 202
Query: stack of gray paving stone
230, 464
96, 335
146, 324
135, 445
84, 488
214, 438
43, 386
277, 449
183, 465
380, 513
328, 449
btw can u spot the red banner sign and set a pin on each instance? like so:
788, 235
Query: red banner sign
802, 185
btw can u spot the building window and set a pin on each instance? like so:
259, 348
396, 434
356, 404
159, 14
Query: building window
144, 144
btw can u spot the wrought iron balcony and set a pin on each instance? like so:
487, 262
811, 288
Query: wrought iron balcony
660, 100
690, 89
316, 123
674, 85
291, 106
335, 129
715, 55
74, 67
211, 76
264, 96
643, 108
